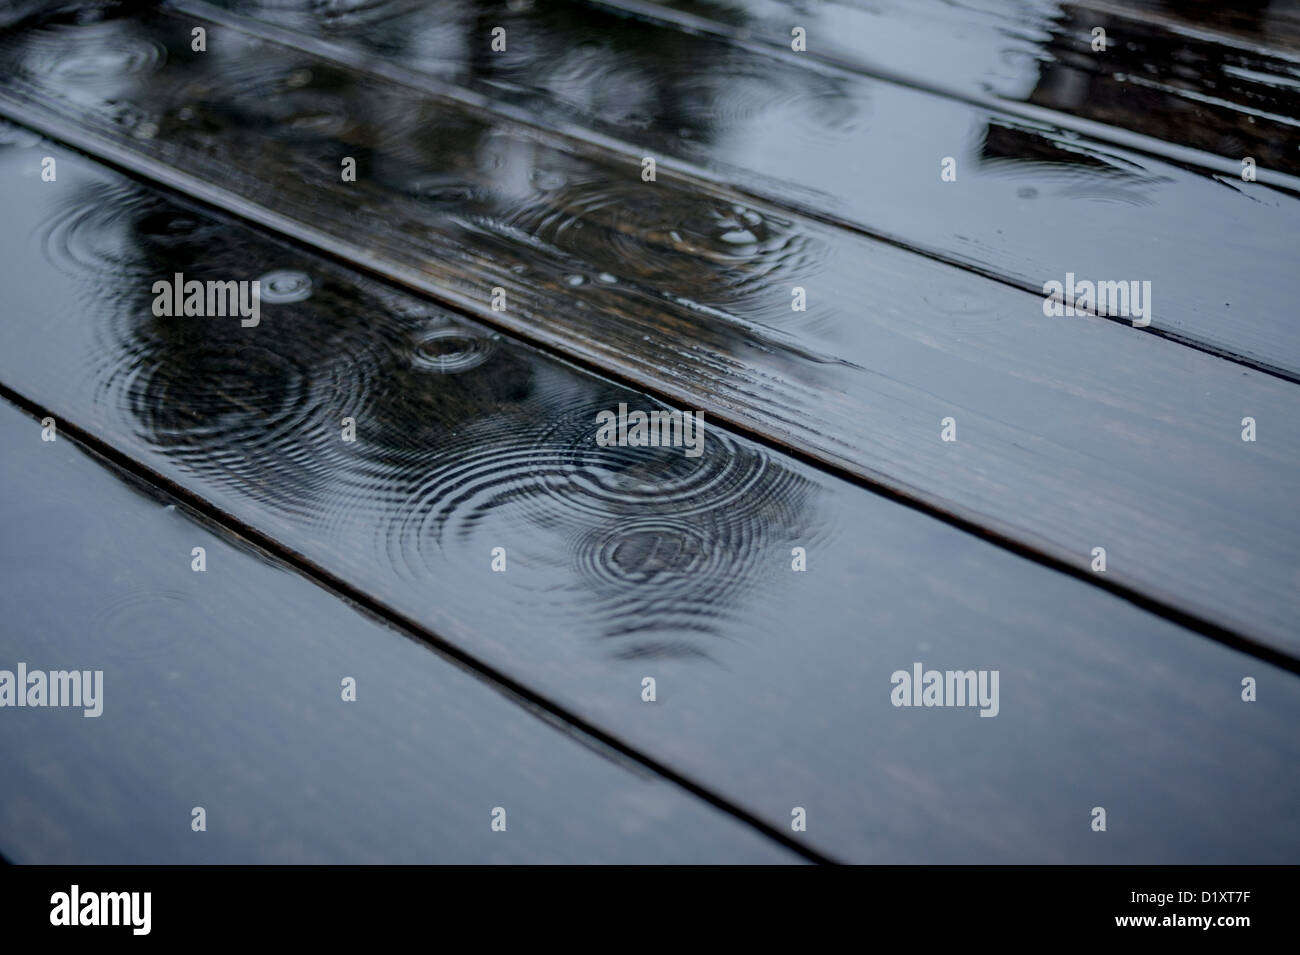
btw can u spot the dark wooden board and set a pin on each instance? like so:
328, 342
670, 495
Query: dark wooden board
773, 687
1258, 24
222, 689
1039, 191
1073, 433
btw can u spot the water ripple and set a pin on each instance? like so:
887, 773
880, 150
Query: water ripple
678, 241
657, 542
91, 54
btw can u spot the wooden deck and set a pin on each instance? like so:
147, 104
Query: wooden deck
518, 174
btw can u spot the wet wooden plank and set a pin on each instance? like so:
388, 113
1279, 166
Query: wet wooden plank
222, 689
773, 687
1261, 24
1060, 165
1072, 434
1174, 75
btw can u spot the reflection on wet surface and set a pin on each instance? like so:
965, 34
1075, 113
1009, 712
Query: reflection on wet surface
448, 187
1185, 73
624, 565
844, 144
226, 684
692, 287
462, 440
658, 549
1159, 75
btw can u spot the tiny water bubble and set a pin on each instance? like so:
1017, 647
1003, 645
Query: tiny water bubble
451, 350
284, 286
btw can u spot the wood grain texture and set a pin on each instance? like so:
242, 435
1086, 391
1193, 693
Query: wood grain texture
773, 687
1073, 433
